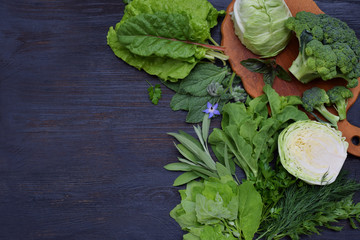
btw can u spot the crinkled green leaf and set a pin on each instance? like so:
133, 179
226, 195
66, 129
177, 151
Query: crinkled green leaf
203, 16
217, 201
215, 233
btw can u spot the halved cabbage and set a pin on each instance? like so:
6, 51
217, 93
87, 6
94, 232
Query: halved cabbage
312, 151
260, 25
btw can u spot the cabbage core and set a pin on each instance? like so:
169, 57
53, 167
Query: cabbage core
312, 151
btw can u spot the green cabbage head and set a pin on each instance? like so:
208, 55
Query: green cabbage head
312, 151
260, 25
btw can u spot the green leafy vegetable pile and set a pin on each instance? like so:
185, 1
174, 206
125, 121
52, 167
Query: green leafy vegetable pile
166, 38
248, 139
236, 185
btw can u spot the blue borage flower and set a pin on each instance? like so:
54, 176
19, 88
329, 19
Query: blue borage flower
211, 110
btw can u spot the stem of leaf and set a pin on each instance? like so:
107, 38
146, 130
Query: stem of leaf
229, 87
149, 83
212, 55
213, 41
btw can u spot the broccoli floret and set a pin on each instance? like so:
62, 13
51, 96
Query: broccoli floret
339, 96
315, 99
328, 49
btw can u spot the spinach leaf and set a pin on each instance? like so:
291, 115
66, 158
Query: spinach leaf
250, 209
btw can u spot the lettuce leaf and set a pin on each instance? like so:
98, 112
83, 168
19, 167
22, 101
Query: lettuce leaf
203, 16
218, 208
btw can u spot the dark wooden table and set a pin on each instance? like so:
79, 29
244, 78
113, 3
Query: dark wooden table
82, 149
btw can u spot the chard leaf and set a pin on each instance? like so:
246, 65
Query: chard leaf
202, 17
165, 68
160, 34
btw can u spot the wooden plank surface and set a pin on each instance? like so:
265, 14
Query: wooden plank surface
82, 149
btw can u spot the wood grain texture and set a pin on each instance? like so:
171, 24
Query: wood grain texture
82, 149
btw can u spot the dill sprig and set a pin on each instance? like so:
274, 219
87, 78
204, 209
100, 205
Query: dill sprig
305, 208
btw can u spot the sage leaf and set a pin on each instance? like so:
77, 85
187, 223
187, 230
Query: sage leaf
177, 167
185, 178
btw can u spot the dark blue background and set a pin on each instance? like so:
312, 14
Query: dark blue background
82, 149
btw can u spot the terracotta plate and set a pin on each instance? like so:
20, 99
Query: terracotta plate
253, 82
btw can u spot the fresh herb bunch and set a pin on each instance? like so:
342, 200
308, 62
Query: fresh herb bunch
304, 208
